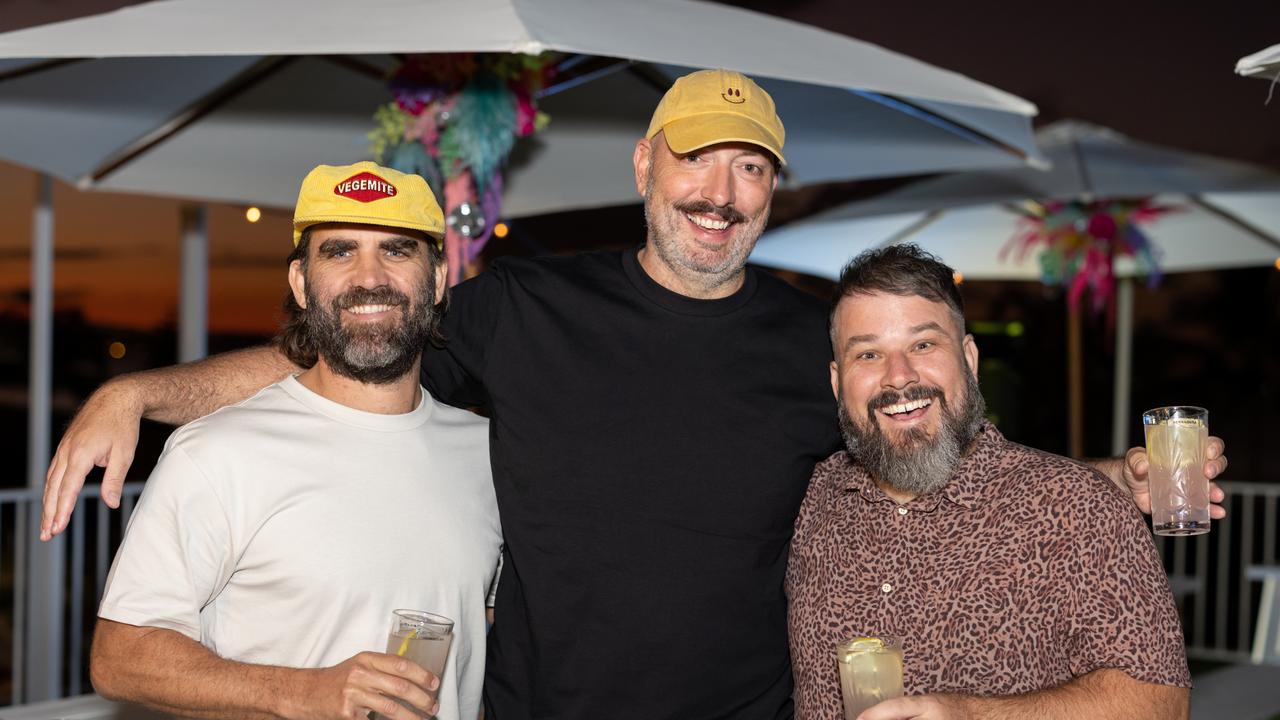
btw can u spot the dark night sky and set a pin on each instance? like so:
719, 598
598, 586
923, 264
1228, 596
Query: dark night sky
1158, 71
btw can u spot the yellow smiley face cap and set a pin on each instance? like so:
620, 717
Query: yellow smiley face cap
368, 194
708, 107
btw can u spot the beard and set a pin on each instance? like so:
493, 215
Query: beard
919, 463
372, 353
667, 224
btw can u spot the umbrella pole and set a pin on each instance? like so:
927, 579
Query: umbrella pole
43, 626
1075, 384
1123, 369
193, 307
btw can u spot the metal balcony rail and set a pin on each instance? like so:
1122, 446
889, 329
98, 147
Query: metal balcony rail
1210, 577
92, 539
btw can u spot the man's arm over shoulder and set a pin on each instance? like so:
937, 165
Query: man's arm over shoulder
1132, 473
1104, 694
104, 433
169, 671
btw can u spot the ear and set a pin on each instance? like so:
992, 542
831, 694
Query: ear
971, 354
442, 279
835, 379
298, 283
642, 160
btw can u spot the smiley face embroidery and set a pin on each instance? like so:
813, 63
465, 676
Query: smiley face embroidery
733, 95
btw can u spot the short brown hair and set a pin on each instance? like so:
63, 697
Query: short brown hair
898, 270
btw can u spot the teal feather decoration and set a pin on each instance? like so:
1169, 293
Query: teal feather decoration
412, 157
481, 130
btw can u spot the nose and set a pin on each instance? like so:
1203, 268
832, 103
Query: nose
370, 270
718, 189
899, 372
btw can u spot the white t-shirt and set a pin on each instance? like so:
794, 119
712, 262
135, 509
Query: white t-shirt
284, 530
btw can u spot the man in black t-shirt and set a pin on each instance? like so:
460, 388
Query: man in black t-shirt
655, 416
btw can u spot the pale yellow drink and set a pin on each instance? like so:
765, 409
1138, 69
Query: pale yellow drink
870, 672
422, 637
429, 650
1176, 439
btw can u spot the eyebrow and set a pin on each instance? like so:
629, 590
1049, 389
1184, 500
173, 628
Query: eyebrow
402, 243
332, 245
931, 325
915, 330
338, 244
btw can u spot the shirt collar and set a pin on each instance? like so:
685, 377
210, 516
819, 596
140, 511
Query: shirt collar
970, 487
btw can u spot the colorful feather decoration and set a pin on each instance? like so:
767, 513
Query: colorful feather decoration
454, 120
1080, 240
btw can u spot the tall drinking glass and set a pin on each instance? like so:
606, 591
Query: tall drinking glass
1176, 439
870, 671
422, 637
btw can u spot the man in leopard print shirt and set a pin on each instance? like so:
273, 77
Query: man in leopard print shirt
1022, 583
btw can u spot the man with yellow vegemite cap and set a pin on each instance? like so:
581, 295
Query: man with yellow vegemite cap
275, 537
656, 414
367, 194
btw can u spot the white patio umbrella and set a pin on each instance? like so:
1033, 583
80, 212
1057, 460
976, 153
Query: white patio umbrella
227, 99
1230, 214
1230, 218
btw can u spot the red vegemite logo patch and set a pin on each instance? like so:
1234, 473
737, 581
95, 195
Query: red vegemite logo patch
365, 187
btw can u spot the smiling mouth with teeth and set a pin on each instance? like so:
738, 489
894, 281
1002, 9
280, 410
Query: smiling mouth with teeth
906, 407
707, 223
369, 309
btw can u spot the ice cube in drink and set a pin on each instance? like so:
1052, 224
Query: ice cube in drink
870, 672
1179, 489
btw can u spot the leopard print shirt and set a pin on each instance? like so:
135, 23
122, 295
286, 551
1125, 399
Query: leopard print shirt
1024, 571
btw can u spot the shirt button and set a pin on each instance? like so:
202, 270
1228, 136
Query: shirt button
886, 588
902, 511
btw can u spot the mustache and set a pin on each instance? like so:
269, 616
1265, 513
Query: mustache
893, 397
382, 295
701, 207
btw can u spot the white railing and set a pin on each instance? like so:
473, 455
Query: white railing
1208, 574
91, 539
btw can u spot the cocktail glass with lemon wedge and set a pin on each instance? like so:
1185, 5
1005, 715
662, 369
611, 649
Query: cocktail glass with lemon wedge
870, 671
422, 637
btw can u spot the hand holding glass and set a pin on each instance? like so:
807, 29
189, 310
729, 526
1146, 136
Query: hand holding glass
1176, 439
423, 638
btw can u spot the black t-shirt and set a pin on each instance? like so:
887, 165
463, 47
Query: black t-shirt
650, 452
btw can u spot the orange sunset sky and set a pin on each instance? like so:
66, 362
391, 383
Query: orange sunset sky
117, 257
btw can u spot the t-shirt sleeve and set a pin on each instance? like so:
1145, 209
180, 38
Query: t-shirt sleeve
454, 374
177, 553
1124, 615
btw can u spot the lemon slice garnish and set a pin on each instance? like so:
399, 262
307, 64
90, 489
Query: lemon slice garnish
865, 644
404, 644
